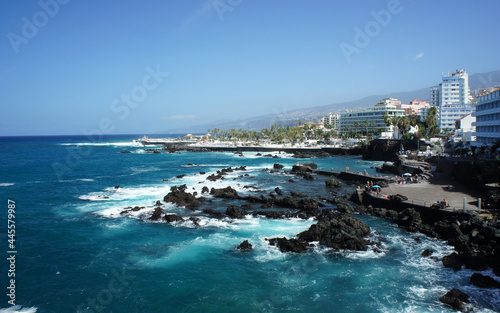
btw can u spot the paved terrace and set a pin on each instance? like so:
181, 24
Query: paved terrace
435, 190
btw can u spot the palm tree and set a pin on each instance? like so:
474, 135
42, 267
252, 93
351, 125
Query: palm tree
356, 125
367, 123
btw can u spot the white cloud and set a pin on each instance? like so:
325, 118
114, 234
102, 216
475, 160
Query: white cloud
180, 117
419, 56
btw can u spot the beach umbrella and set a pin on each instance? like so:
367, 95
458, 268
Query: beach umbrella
376, 186
406, 174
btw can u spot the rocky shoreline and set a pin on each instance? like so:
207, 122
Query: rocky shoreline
476, 241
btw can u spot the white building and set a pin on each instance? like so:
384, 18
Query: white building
332, 120
487, 118
374, 116
465, 129
449, 113
452, 97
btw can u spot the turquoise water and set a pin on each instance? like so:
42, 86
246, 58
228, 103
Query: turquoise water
76, 253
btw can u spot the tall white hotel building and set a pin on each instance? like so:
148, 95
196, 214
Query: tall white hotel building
452, 97
487, 118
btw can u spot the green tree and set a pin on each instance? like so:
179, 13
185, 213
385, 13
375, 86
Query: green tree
356, 125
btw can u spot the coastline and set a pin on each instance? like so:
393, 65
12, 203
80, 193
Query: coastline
457, 227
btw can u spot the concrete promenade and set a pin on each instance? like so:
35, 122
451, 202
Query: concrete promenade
432, 191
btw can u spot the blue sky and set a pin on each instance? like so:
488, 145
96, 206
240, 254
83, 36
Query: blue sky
67, 67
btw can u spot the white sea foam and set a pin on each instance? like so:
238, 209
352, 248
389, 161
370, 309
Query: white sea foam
254, 155
18, 309
206, 165
143, 169
125, 193
103, 144
6, 184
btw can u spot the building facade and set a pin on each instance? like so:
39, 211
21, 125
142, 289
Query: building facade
371, 119
487, 118
452, 97
465, 130
414, 108
331, 120
449, 113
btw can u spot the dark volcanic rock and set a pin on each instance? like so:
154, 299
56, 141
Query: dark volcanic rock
214, 177
311, 165
179, 196
228, 193
289, 245
338, 231
308, 176
156, 214
301, 169
277, 166
278, 191
483, 281
205, 189
245, 246
427, 252
333, 183
410, 219
169, 218
453, 261
246, 207
456, 299
214, 213
234, 212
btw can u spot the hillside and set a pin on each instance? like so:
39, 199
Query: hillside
476, 82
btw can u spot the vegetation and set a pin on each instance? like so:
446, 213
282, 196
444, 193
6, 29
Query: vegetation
277, 134
309, 131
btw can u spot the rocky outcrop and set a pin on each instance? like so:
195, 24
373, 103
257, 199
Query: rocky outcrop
227, 193
427, 253
214, 213
484, 281
453, 261
381, 150
235, 212
338, 231
456, 299
476, 241
245, 246
302, 169
492, 201
278, 166
156, 214
289, 245
171, 218
179, 196
333, 183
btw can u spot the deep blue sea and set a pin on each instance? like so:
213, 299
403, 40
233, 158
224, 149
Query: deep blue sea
77, 253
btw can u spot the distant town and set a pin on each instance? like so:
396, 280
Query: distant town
452, 113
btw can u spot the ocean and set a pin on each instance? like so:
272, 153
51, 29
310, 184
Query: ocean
75, 252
